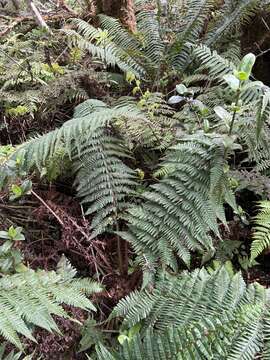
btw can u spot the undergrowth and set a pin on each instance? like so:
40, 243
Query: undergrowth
141, 159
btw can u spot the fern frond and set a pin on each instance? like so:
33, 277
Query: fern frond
87, 38
233, 14
33, 297
177, 214
211, 315
209, 60
261, 235
194, 22
153, 45
103, 181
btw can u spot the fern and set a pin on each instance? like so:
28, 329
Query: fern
233, 14
197, 315
102, 179
215, 64
178, 214
11, 355
33, 297
157, 49
87, 38
261, 235
193, 24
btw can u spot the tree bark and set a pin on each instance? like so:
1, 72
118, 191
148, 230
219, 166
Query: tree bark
121, 9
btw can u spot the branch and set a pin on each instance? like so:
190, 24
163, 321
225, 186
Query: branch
39, 19
62, 4
48, 18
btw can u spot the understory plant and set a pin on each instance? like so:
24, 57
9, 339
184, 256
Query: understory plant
160, 175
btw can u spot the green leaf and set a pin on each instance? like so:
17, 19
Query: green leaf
232, 81
26, 186
6, 246
181, 89
247, 64
16, 234
4, 235
17, 192
223, 114
241, 75
122, 338
12, 232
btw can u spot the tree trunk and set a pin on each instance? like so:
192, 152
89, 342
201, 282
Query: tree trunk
16, 4
121, 9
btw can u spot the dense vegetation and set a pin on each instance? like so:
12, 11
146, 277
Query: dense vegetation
134, 179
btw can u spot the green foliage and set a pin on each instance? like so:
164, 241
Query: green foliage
181, 209
102, 179
10, 257
154, 166
196, 315
31, 298
148, 53
261, 235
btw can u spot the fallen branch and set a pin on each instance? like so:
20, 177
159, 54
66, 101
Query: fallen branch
39, 19
48, 18
11, 26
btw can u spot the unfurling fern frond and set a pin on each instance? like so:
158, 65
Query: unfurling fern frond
196, 315
178, 213
31, 298
261, 235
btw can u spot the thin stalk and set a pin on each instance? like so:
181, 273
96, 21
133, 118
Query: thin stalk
233, 117
235, 111
119, 251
